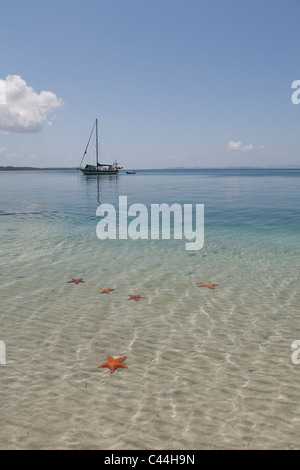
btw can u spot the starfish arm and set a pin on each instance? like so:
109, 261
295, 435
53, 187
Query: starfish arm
105, 364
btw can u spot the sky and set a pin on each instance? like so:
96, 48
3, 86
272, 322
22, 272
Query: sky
173, 83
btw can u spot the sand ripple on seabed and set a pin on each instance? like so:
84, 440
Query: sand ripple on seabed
205, 368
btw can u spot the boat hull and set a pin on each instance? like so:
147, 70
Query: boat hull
90, 172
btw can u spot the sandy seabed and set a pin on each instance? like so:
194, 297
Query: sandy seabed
207, 369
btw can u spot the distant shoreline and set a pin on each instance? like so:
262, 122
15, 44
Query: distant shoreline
29, 168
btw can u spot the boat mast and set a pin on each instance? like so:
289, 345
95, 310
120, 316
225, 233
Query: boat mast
97, 142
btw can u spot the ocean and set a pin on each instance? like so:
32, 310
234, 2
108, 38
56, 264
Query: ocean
207, 368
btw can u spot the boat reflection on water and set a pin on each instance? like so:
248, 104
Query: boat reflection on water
97, 186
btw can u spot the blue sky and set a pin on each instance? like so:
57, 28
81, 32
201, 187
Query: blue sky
173, 82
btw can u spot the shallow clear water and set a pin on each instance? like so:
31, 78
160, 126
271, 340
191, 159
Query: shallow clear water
206, 368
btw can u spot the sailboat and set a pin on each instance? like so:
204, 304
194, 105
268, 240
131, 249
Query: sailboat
98, 168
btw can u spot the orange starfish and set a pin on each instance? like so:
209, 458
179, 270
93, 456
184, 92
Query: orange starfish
135, 297
106, 290
208, 284
114, 364
76, 281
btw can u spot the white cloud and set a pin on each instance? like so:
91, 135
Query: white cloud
234, 145
8, 155
4, 153
247, 148
24, 109
238, 146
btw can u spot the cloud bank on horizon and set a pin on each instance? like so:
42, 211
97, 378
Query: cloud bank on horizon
24, 110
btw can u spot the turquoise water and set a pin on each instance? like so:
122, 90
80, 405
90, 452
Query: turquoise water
206, 368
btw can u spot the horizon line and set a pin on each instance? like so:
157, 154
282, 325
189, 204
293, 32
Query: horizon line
292, 167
